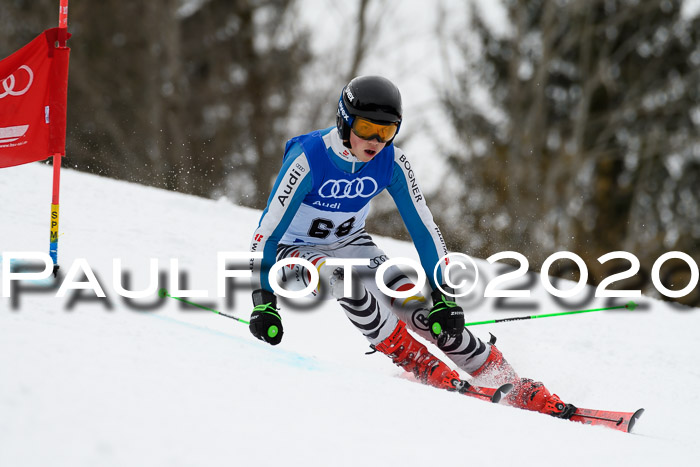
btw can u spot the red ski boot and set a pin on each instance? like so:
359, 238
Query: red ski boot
412, 356
532, 395
526, 393
496, 370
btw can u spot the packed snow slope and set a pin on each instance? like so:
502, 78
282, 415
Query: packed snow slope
87, 382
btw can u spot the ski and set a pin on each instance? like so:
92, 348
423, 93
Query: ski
489, 394
622, 421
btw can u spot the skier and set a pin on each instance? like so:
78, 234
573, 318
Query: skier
317, 211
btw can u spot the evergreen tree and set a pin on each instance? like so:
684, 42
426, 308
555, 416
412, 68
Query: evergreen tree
189, 96
590, 142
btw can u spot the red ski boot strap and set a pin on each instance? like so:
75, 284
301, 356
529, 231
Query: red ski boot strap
406, 352
387, 345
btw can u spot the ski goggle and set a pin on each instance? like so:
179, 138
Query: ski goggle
367, 129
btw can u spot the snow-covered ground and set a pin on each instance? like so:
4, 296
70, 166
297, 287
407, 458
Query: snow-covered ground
92, 385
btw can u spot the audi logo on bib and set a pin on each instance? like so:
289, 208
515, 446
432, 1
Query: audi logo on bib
358, 188
9, 83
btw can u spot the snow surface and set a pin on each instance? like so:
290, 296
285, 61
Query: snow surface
112, 387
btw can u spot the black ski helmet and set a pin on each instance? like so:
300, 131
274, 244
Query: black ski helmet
372, 97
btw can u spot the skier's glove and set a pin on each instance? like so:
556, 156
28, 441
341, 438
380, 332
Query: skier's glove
445, 317
265, 321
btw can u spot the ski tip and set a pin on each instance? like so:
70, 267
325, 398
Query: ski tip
633, 419
500, 392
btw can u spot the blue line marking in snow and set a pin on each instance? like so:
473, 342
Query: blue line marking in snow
14, 264
282, 356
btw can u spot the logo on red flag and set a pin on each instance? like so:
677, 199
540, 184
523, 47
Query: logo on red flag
9, 84
33, 88
12, 133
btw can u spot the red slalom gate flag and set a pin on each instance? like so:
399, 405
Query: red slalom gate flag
33, 95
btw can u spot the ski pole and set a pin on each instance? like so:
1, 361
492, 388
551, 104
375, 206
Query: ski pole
164, 293
630, 306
